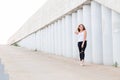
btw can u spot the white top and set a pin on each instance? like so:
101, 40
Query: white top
81, 36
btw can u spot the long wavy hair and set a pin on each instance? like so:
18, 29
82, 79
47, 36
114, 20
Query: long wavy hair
82, 26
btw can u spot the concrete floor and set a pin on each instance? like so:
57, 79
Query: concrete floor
23, 64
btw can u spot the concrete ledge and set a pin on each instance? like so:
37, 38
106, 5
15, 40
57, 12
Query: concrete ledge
45, 15
50, 12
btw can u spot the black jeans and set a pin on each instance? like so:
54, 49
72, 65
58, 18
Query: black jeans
82, 50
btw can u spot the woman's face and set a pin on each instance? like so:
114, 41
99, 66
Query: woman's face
81, 27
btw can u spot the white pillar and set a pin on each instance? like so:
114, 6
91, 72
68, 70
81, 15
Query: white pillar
56, 48
46, 44
74, 36
35, 45
48, 39
116, 36
44, 39
107, 36
68, 33
31, 40
79, 16
41, 39
87, 24
63, 37
96, 32
52, 39
60, 36
38, 40
57, 37
43, 36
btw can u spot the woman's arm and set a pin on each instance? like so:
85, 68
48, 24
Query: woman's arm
76, 32
85, 35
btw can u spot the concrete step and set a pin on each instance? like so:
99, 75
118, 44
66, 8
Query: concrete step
3, 75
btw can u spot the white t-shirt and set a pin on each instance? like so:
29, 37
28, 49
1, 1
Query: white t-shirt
81, 36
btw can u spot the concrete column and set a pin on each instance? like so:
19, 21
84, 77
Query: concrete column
27, 40
39, 35
38, 40
35, 45
50, 33
68, 34
45, 48
31, 40
60, 36
79, 16
107, 36
42, 39
56, 48
57, 37
96, 32
48, 39
52, 39
74, 36
116, 36
87, 24
41, 32
45, 40
63, 37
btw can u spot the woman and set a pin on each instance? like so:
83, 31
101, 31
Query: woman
82, 43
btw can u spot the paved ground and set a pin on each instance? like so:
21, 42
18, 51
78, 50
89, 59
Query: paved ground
22, 64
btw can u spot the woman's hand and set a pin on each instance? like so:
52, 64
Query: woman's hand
76, 31
82, 45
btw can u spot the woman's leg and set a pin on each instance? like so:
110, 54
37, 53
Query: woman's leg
83, 50
80, 49
83, 53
